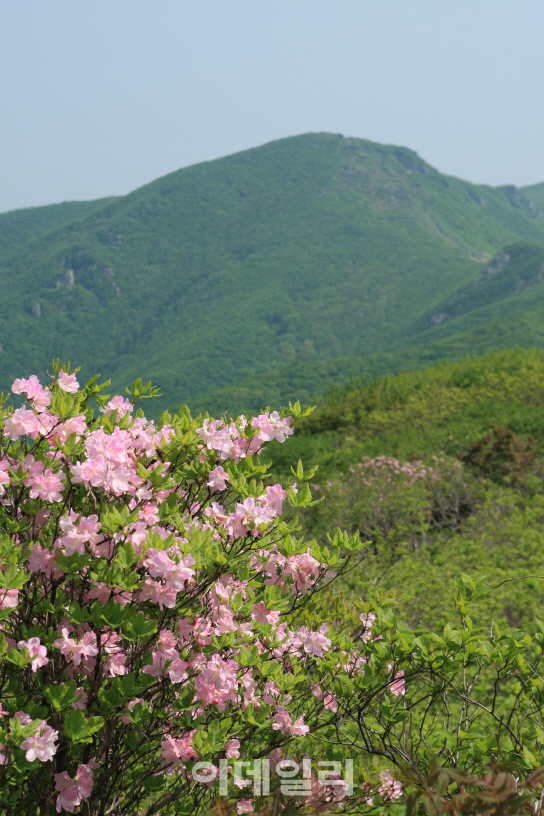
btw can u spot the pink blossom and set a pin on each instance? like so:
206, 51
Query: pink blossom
397, 686
75, 425
9, 598
68, 798
175, 749
298, 729
271, 426
36, 651
4, 476
78, 533
74, 651
149, 514
41, 745
282, 719
156, 668
21, 423
162, 594
35, 392
115, 664
215, 513
82, 698
263, 615
389, 788
74, 791
303, 570
367, 619
275, 496
42, 560
67, 382
121, 406
314, 643
177, 670
91, 472
244, 806
232, 749
44, 484
160, 565
218, 478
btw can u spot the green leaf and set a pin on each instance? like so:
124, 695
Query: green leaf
79, 728
137, 627
61, 697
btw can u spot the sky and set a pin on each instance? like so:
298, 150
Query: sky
98, 97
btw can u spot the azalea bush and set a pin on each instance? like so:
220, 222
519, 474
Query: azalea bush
395, 505
164, 626
151, 597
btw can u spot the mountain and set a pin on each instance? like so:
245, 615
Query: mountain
501, 307
19, 226
535, 193
290, 255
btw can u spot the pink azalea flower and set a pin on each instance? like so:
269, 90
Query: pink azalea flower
68, 798
314, 643
218, 478
120, 406
36, 651
389, 788
68, 382
298, 729
21, 423
44, 484
244, 806
263, 615
41, 745
35, 392
9, 598
232, 749
74, 651
175, 749
74, 791
282, 720
4, 476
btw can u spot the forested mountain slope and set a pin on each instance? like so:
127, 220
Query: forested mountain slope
17, 227
501, 307
306, 249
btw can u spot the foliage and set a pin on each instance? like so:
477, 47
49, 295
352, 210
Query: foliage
161, 618
483, 420
500, 454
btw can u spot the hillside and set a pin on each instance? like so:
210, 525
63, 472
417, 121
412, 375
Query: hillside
535, 193
304, 250
17, 227
442, 471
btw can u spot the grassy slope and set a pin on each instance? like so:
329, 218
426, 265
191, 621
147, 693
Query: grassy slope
443, 410
306, 249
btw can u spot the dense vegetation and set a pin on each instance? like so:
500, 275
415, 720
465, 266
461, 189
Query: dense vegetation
162, 617
314, 248
442, 471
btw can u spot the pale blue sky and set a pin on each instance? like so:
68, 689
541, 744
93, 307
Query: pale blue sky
98, 97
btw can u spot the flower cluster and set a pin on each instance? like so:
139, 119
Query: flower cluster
152, 597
